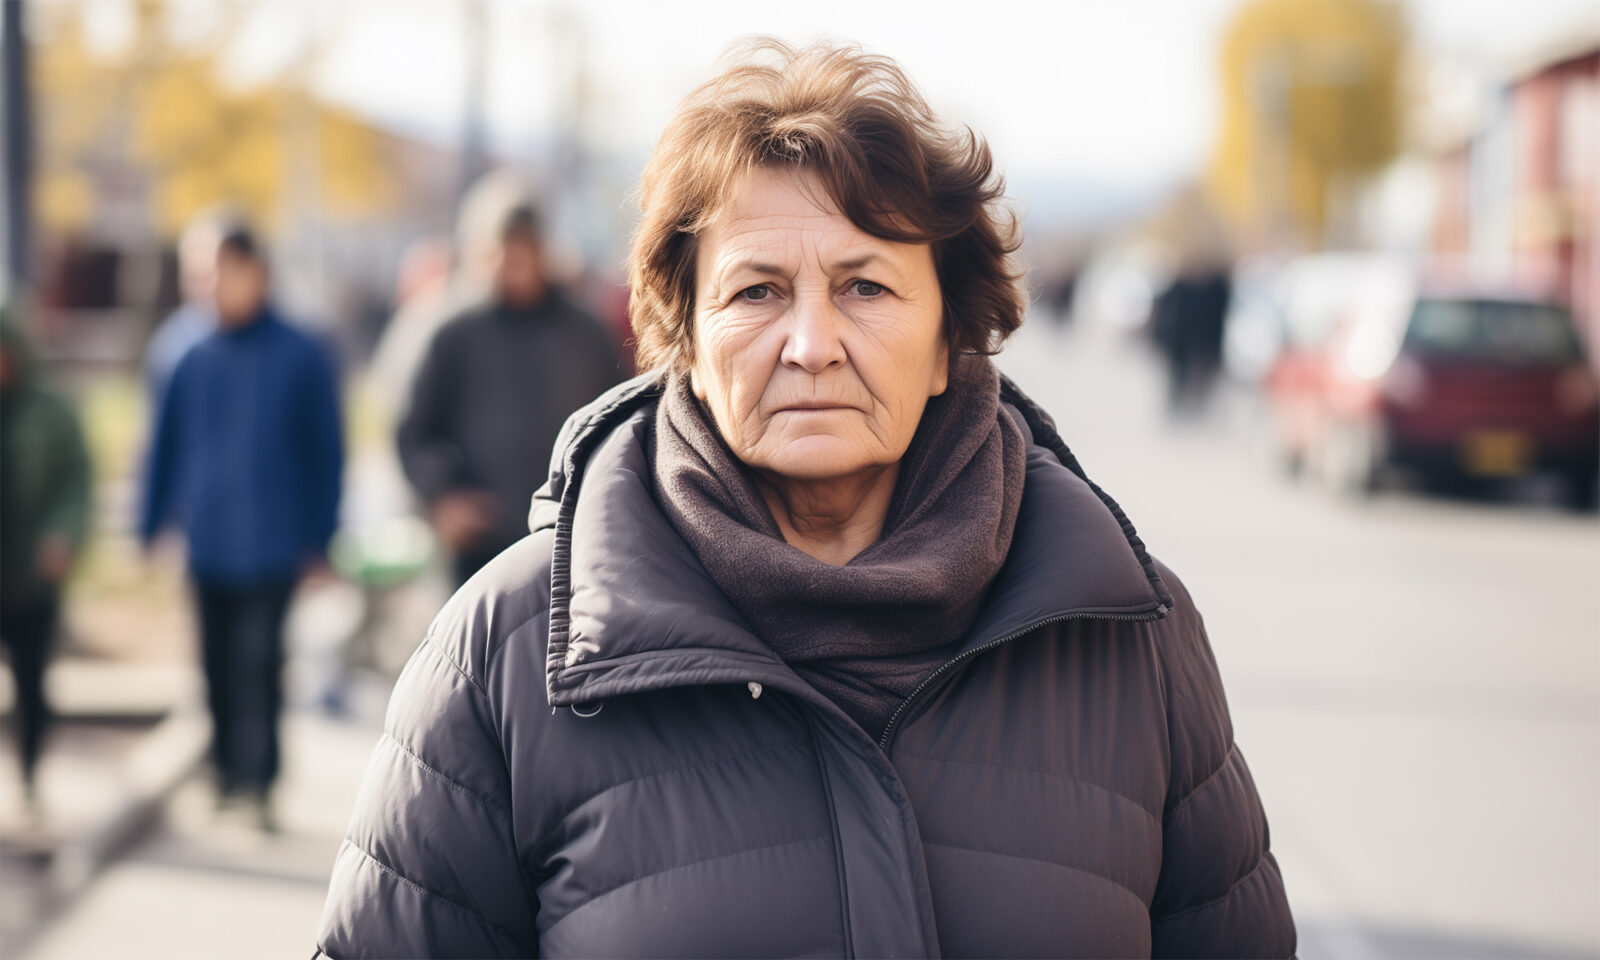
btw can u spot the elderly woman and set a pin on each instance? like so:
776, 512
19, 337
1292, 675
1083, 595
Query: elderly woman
822, 643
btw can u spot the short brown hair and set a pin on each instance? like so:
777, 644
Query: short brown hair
858, 123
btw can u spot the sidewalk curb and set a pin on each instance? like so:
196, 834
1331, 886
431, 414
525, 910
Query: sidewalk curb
162, 762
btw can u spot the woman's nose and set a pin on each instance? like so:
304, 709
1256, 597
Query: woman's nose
815, 335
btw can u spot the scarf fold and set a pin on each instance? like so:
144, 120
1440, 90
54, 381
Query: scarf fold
864, 634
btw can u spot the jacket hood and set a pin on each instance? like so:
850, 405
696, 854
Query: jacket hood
631, 608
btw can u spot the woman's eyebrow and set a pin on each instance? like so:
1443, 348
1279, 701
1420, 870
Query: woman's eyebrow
856, 263
753, 266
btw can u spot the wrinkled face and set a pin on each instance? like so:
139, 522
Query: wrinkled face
817, 345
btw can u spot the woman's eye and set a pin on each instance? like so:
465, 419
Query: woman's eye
866, 288
758, 292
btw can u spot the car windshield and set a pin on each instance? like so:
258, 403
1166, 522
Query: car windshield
1499, 330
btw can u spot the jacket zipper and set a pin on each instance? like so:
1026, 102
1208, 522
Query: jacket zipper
894, 720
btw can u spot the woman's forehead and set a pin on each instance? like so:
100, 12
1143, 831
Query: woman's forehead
769, 187
780, 213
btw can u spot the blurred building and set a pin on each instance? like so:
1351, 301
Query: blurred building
134, 139
1519, 188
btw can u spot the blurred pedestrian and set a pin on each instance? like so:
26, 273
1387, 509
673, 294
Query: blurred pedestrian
1189, 327
194, 318
425, 298
44, 518
823, 643
421, 308
492, 392
247, 457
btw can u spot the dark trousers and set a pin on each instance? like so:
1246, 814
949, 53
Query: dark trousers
28, 630
241, 638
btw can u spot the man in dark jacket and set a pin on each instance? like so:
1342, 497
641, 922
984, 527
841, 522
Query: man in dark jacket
491, 395
247, 457
1190, 321
44, 514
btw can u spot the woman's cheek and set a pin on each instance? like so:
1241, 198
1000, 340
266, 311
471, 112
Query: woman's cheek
729, 335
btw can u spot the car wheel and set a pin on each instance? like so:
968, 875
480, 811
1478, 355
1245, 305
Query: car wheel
1583, 489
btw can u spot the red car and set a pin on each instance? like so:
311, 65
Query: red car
1444, 381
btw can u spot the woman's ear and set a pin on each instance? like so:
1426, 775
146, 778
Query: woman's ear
941, 369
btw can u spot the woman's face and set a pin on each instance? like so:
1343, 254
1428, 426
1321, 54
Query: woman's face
817, 345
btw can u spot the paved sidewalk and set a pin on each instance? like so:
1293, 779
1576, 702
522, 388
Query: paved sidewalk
205, 884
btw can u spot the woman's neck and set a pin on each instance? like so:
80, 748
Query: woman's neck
834, 519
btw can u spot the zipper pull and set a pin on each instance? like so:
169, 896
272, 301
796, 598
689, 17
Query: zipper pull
755, 690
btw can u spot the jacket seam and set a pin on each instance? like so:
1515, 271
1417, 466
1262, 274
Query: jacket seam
492, 659
1042, 773
432, 895
728, 758
450, 782
838, 840
429, 642
579, 669
1226, 759
493, 656
1260, 862
1049, 863
680, 866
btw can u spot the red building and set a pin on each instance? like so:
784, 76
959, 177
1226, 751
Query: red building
1520, 196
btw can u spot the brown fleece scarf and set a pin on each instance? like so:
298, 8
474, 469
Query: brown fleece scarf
866, 633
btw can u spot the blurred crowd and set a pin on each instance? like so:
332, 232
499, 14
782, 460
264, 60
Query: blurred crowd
244, 460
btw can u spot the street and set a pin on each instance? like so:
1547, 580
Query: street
1416, 684
205, 883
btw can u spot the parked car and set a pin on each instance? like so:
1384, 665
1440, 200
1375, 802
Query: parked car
1445, 380
1306, 304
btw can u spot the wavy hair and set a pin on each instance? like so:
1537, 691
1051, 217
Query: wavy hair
856, 122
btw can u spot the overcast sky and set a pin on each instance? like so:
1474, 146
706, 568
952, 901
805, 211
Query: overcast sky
1119, 93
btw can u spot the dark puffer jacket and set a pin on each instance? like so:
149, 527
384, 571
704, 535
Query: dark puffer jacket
591, 755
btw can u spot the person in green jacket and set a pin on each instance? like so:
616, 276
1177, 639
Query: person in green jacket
44, 510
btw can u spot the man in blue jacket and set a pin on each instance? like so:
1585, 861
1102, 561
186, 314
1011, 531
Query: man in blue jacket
246, 458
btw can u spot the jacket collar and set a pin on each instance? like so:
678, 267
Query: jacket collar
632, 609
266, 317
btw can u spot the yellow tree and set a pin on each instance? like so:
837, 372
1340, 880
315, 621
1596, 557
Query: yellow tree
156, 117
1310, 103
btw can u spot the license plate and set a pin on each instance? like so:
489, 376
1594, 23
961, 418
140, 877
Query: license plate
1496, 453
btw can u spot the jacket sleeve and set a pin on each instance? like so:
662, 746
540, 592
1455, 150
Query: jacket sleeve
428, 453
163, 457
323, 434
72, 480
1219, 893
429, 865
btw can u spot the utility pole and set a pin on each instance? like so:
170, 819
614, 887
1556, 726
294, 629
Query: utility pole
18, 154
300, 217
473, 161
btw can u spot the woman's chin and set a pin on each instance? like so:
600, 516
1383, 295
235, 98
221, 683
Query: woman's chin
818, 457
